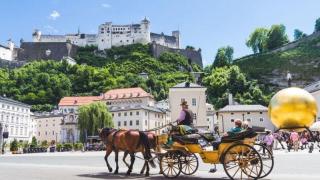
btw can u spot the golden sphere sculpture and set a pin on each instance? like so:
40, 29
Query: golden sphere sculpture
292, 108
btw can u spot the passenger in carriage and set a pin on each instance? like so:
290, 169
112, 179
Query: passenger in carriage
236, 129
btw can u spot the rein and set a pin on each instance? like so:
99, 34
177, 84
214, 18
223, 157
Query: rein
161, 127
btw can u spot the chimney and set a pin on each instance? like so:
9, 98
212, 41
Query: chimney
230, 99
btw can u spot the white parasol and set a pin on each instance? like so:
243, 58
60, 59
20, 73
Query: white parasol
315, 126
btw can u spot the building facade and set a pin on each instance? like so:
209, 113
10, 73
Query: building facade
195, 96
49, 127
211, 116
7, 52
134, 108
68, 106
255, 115
110, 35
15, 118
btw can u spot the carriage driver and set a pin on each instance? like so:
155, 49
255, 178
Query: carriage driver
186, 115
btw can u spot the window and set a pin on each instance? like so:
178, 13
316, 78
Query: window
137, 122
119, 123
194, 102
52, 132
38, 133
232, 120
248, 119
46, 133
232, 113
194, 116
248, 112
207, 119
146, 113
119, 114
130, 113
125, 114
155, 124
260, 112
125, 123
146, 122
261, 119
182, 99
130, 123
137, 113
112, 114
21, 131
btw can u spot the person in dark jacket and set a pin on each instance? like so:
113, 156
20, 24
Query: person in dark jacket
186, 115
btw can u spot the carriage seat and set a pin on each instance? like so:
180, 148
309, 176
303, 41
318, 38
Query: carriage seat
239, 136
186, 139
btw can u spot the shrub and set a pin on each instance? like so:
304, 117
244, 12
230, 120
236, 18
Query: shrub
59, 147
67, 146
44, 144
78, 146
14, 145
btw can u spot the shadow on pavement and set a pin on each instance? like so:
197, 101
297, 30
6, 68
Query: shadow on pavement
105, 175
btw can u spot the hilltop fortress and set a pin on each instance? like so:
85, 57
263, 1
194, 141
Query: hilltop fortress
114, 35
65, 47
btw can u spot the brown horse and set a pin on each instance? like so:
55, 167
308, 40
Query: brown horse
153, 145
130, 141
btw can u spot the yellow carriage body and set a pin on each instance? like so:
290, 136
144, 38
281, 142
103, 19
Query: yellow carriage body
207, 156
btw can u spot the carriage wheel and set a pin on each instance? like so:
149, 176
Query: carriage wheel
267, 159
170, 165
241, 161
189, 164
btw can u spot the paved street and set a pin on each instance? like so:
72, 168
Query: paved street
91, 165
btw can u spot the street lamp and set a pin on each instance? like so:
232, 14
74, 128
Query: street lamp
289, 78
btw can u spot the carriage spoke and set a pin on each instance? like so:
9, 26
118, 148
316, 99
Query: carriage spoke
235, 172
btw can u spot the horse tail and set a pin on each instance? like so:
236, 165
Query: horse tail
145, 141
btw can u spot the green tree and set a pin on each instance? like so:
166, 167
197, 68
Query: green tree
14, 145
298, 34
257, 40
34, 142
224, 80
317, 25
277, 36
188, 47
92, 117
223, 57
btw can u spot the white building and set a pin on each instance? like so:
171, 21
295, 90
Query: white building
133, 108
314, 89
15, 117
195, 96
114, 35
211, 116
49, 127
7, 52
69, 107
255, 115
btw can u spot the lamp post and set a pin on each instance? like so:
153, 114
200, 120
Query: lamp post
1, 137
289, 78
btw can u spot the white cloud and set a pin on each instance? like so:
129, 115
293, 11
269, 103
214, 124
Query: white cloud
54, 15
105, 5
51, 30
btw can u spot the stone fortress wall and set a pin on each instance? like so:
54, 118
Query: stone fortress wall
193, 55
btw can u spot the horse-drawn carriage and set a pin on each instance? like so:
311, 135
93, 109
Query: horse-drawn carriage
291, 108
237, 154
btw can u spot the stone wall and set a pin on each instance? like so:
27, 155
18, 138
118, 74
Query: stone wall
193, 55
11, 64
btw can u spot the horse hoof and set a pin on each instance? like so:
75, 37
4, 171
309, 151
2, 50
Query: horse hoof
141, 172
116, 172
128, 173
147, 174
110, 169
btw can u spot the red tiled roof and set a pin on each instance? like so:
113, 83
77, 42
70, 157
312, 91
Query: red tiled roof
78, 100
126, 93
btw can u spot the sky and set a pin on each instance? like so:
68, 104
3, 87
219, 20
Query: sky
205, 24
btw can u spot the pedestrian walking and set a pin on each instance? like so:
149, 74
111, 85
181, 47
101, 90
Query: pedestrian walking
268, 140
294, 137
